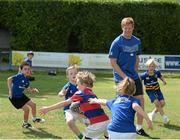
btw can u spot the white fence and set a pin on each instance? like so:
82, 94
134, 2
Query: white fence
91, 61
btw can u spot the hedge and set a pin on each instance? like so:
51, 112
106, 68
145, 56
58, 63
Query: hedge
89, 27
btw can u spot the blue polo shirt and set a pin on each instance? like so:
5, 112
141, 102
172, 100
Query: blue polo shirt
19, 84
70, 92
122, 114
125, 51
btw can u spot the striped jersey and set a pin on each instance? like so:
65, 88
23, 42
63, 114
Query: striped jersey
93, 112
151, 81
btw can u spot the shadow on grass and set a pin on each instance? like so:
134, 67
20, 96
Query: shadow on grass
150, 137
40, 133
171, 126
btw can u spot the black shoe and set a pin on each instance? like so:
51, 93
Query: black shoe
26, 125
38, 120
142, 133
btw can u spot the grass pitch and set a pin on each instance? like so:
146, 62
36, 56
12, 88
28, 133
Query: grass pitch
55, 126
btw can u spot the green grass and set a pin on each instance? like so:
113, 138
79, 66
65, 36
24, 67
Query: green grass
120, 1
55, 126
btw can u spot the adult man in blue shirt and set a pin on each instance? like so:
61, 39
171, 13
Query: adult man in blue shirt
124, 58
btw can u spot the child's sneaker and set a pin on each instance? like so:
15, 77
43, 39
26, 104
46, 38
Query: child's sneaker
166, 120
26, 125
38, 120
152, 116
142, 132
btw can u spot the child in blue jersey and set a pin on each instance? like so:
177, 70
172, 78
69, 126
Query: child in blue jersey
123, 109
28, 59
17, 85
96, 115
68, 91
150, 78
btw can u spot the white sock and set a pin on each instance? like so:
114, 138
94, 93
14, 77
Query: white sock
34, 118
164, 116
138, 127
25, 121
153, 112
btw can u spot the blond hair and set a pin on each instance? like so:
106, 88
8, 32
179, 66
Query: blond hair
150, 61
70, 68
86, 77
127, 86
127, 21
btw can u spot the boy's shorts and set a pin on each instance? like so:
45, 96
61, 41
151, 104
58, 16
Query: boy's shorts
94, 131
18, 103
69, 115
155, 95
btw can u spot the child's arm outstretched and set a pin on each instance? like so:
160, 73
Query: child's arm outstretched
58, 105
140, 111
97, 101
9, 83
163, 80
63, 92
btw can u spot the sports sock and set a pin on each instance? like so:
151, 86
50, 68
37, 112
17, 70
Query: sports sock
164, 116
24, 122
153, 113
34, 118
138, 127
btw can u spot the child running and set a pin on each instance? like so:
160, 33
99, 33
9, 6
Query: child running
68, 91
96, 115
123, 109
17, 85
153, 90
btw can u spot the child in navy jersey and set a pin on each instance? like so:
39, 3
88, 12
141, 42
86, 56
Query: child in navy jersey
123, 109
96, 115
28, 59
150, 78
17, 85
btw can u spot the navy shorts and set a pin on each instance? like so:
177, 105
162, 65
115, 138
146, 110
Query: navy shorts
139, 87
155, 95
19, 102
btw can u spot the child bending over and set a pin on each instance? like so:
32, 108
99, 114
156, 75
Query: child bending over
123, 109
